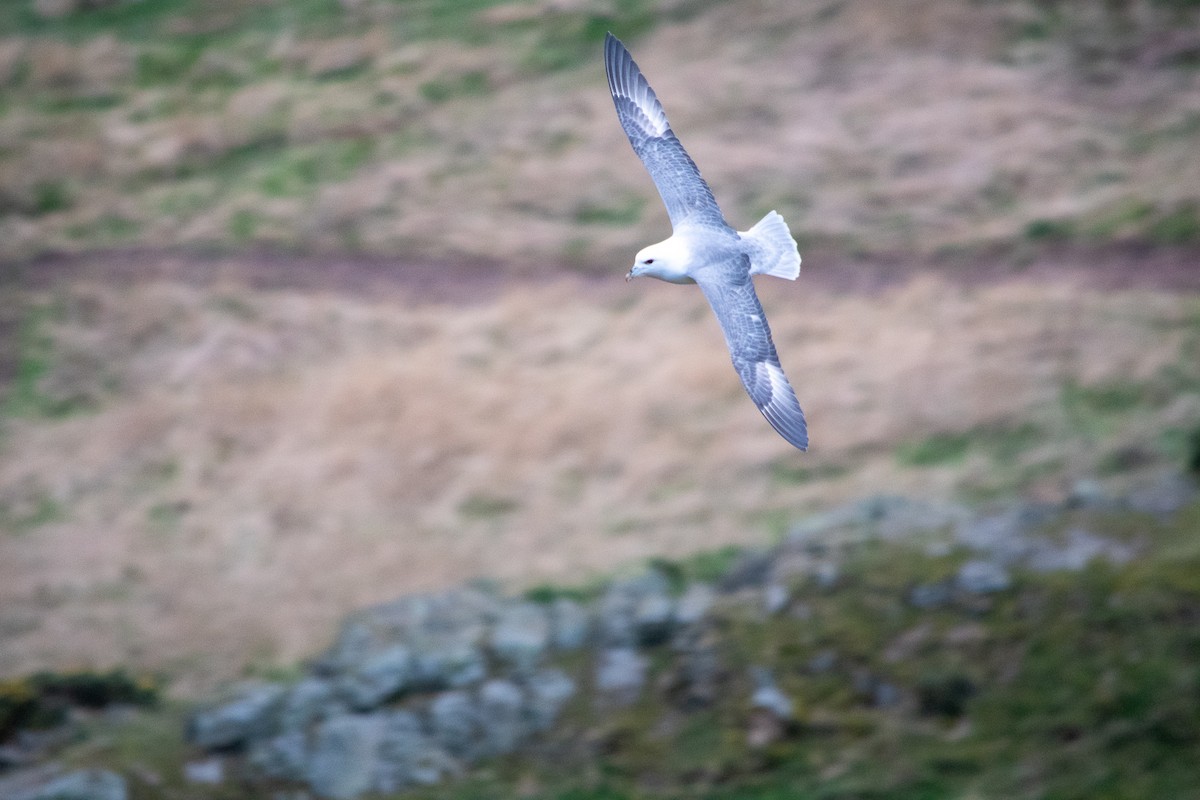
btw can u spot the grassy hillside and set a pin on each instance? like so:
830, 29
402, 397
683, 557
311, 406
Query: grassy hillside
206, 460
484, 128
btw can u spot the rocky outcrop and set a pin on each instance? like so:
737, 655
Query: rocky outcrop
417, 691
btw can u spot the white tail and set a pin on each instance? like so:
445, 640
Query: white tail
772, 249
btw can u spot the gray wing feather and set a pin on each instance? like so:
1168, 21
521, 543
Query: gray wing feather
753, 351
685, 194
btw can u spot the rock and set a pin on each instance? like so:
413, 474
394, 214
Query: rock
87, 784
308, 701
521, 635
885, 695
771, 711
407, 756
380, 678
694, 604
209, 771
1087, 493
454, 724
750, 571
635, 611
344, 755
1166, 496
928, 596
450, 665
767, 695
283, 757
1004, 536
570, 624
883, 516
452, 622
653, 617
822, 663
694, 683
1080, 548
620, 674
982, 577
775, 598
249, 715
826, 575
502, 717
548, 691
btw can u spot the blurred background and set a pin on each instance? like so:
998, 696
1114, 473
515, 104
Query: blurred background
305, 305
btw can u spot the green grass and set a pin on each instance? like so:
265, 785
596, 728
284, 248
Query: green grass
1180, 225
26, 395
17, 519
934, 450
131, 21
469, 84
486, 506
1095, 410
1049, 230
620, 214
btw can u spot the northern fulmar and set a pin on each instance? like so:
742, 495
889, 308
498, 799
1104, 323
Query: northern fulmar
704, 249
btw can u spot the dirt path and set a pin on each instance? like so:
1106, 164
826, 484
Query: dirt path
465, 281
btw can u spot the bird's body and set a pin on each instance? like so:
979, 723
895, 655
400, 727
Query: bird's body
704, 249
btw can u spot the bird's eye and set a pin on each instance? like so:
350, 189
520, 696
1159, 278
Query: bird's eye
649, 260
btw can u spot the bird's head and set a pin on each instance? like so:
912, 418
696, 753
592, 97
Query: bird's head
667, 260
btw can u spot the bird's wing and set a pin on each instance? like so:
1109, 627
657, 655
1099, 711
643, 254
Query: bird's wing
685, 194
753, 352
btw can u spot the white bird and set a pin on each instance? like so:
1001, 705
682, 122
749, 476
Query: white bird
704, 249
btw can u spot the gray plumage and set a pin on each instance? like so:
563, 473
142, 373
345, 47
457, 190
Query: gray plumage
705, 250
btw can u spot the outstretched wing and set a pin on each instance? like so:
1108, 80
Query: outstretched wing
685, 194
753, 352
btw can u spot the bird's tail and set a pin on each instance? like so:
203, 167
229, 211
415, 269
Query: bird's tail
772, 249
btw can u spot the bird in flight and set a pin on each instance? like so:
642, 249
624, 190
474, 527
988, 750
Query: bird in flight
704, 249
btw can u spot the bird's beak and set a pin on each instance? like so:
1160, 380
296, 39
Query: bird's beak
629, 276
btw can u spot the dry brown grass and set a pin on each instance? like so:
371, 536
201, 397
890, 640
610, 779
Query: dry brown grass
259, 463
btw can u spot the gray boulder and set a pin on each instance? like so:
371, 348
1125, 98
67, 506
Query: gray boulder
775, 598
767, 696
570, 624
928, 596
653, 618
407, 756
207, 771
379, 678
521, 635
451, 621
636, 611
502, 718
883, 516
344, 755
548, 691
283, 757
982, 577
307, 701
1079, 549
454, 724
447, 664
87, 784
620, 675
1165, 496
248, 716
693, 605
